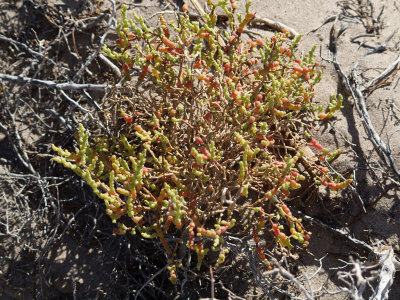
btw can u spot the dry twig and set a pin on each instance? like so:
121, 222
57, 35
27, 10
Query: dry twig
275, 25
54, 85
343, 234
99, 47
382, 77
359, 99
389, 265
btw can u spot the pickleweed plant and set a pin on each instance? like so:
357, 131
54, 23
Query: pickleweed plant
212, 140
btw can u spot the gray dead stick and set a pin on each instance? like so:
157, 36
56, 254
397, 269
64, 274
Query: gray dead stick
389, 70
27, 49
376, 140
389, 266
339, 232
54, 85
109, 63
99, 47
385, 256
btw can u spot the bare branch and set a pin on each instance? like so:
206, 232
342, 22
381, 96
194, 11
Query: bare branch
376, 81
54, 85
286, 274
275, 25
343, 234
359, 99
376, 140
102, 40
26, 48
150, 280
109, 63
386, 275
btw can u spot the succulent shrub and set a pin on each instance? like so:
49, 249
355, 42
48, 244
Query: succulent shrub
215, 138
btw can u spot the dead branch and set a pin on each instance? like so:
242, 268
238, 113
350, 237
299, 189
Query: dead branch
359, 99
343, 234
21, 155
73, 102
367, 15
150, 280
54, 85
326, 21
198, 7
378, 80
99, 47
376, 140
17, 44
292, 279
357, 279
389, 266
109, 63
372, 204
275, 25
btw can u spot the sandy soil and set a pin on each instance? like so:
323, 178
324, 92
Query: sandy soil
55, 241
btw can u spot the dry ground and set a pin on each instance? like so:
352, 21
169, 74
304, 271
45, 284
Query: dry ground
55, 240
